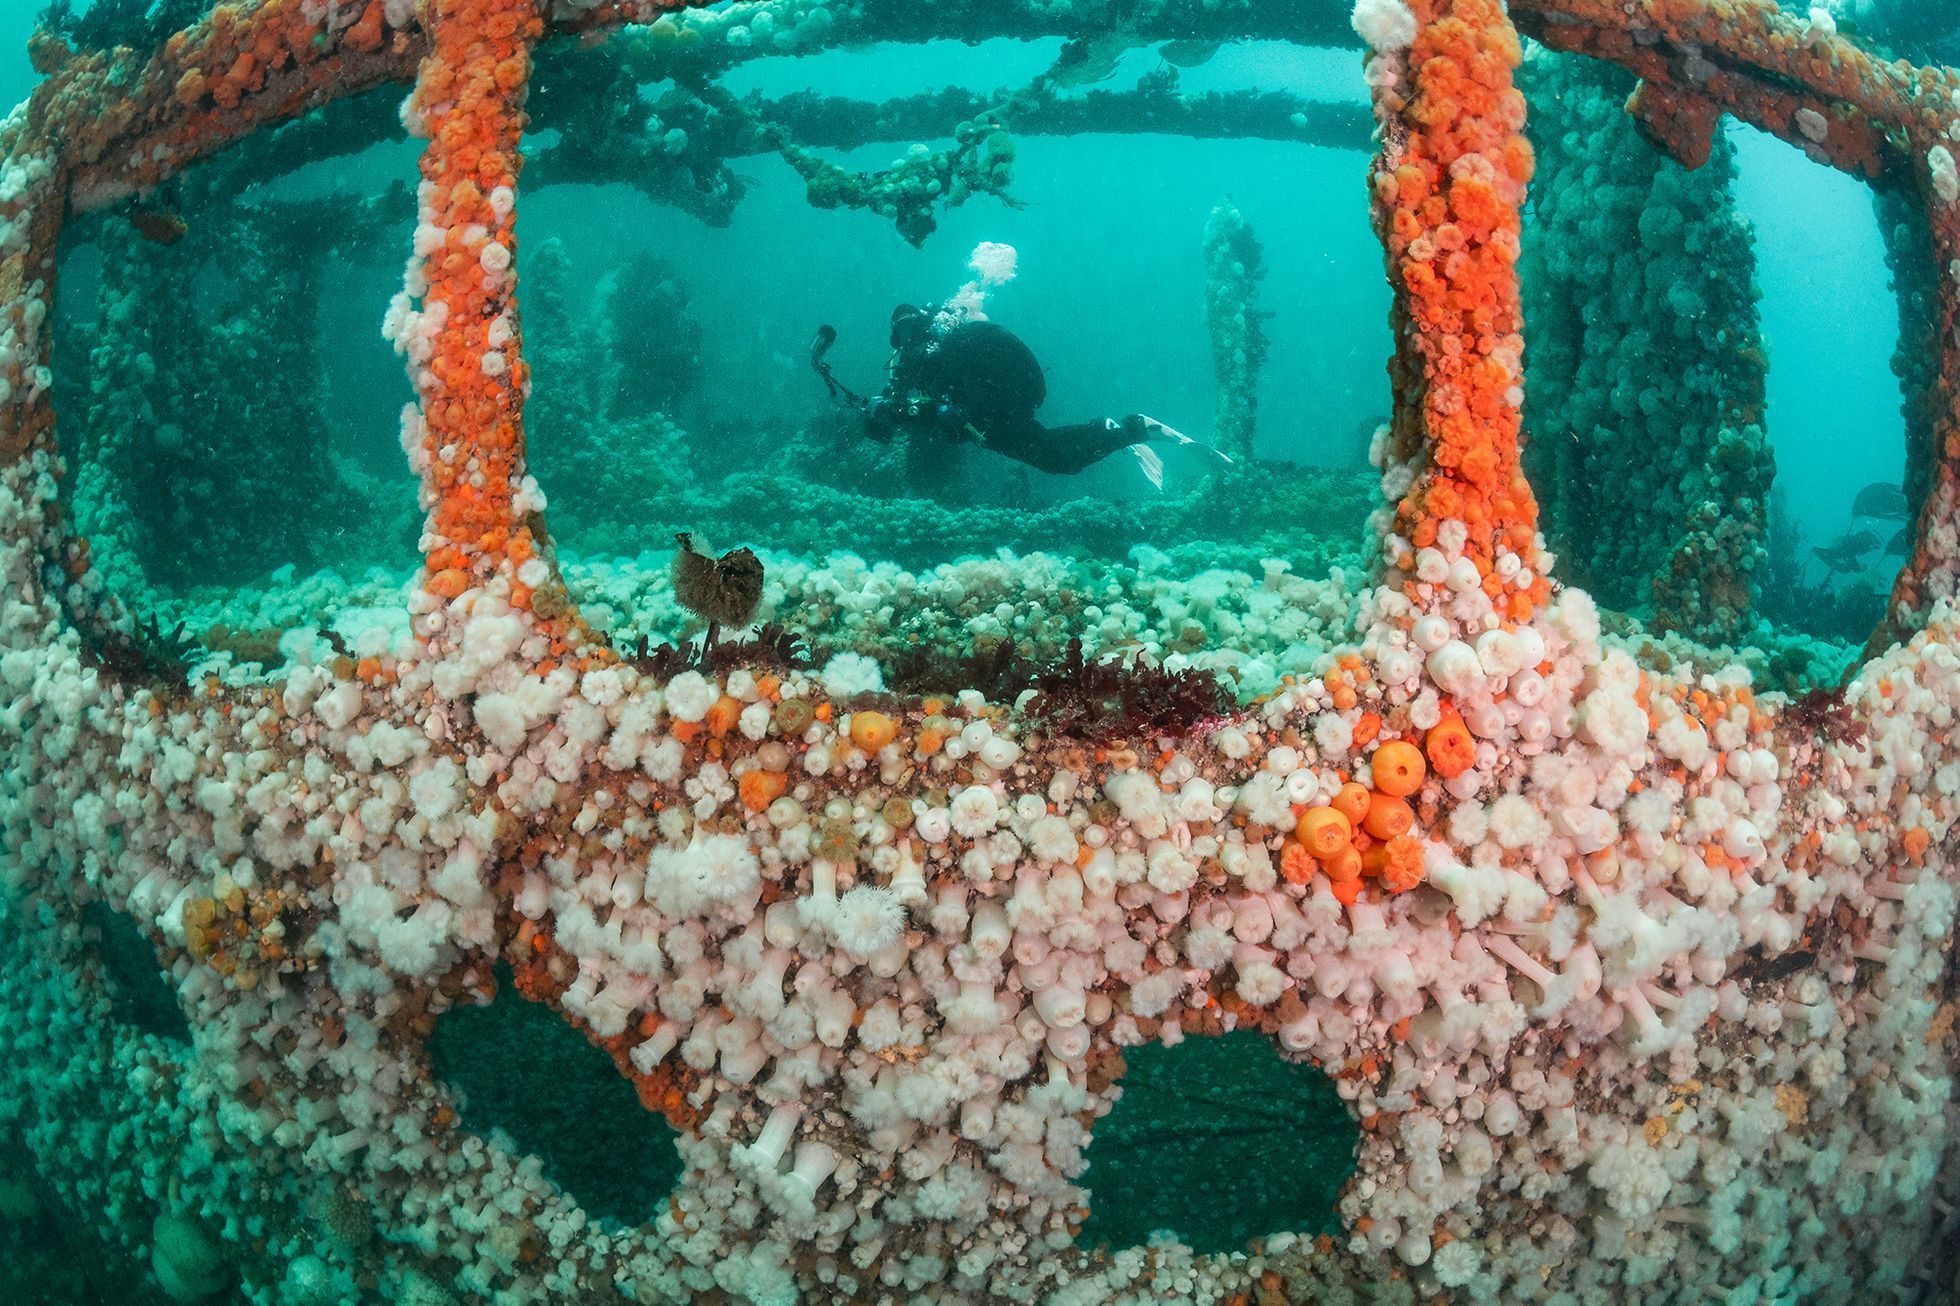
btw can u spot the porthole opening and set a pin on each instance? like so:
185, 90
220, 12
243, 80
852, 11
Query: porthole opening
516, 1067
132, 977
1217, 1141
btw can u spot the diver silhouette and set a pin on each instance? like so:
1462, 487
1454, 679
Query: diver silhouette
976, 382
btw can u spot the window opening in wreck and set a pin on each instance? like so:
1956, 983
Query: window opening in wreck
1840, 514
675, 268
1717, 465
132, 978
1219, 1141
227, 408
515, 1067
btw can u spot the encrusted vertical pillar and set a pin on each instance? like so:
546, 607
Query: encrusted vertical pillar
1797, 78
1644, 404
1447, 189
459, 324
1916, 282
1234, 267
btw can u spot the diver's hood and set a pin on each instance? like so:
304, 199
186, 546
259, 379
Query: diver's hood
911, 326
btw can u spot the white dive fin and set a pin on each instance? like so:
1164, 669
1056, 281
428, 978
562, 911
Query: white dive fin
1162, 432
1152, 465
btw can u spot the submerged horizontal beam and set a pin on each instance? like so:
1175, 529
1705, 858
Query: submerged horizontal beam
837, 122
816, 121
1302, 22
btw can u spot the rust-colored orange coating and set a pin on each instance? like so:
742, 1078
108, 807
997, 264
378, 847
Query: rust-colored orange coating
663, 1089
240, 68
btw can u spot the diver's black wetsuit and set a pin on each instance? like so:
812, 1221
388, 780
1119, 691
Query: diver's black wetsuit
977, 382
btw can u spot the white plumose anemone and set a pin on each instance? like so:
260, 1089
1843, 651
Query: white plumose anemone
867, 919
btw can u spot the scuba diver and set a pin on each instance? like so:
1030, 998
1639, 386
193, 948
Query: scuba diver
976, 382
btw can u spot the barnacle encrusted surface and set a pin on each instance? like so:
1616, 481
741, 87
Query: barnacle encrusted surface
1632, 975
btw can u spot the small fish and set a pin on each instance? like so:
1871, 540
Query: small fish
1880, 499
1901, 544
1847, 552
1086, 62
1188, 54
722, 591
159, 225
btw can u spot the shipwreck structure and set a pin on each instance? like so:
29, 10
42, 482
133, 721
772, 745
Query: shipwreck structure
1635, 979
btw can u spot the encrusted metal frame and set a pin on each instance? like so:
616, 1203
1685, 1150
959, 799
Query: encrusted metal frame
1447, 189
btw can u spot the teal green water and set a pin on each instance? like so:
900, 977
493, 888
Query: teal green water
669, 322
